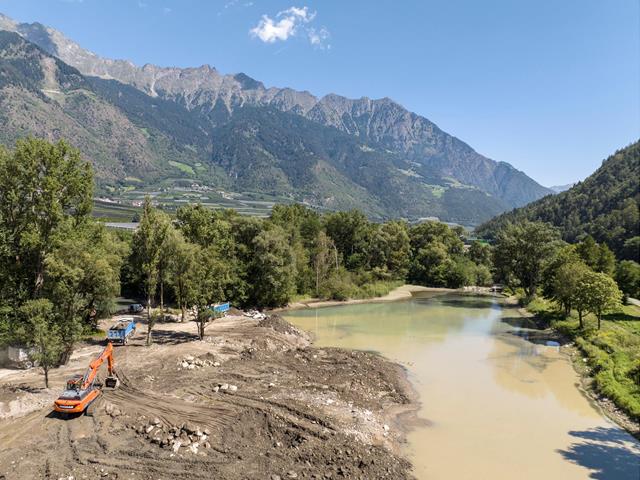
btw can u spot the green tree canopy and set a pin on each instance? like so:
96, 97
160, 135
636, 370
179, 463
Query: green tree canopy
520, 253
42, 187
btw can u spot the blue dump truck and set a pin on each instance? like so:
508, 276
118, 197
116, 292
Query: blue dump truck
220, 309
122, 331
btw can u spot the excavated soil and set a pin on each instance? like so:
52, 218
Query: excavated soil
254, 400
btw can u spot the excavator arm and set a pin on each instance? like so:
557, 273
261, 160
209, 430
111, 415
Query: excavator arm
94, 366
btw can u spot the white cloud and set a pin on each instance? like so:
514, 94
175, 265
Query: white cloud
318, 38
286, 24
166, 10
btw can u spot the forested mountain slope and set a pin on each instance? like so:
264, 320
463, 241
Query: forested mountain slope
605, 206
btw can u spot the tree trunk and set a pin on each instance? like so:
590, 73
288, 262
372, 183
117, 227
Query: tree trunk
599, 318
149, 323
162, 298
46, 376
184, 311
580, 317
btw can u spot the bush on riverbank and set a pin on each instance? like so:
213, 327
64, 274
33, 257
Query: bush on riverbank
612, 353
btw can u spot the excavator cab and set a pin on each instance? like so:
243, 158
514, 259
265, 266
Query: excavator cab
74, 383
82, 390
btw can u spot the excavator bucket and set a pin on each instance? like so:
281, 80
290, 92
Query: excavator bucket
111, 382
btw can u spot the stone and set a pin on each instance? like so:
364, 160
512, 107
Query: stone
216, 388
224, 386
156, 421
176, 445
233, 388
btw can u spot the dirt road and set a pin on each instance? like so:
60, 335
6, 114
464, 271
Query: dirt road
252, 401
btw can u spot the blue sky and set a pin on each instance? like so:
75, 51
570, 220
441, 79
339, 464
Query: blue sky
552, 87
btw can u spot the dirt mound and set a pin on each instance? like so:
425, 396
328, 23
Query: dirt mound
280, 325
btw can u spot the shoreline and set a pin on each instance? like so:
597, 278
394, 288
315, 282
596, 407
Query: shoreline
403, 292
605, 406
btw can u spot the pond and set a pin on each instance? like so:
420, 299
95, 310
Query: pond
497, 405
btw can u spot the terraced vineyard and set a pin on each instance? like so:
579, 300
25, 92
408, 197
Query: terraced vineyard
125, 205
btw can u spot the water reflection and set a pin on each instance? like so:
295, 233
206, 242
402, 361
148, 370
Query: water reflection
501, 407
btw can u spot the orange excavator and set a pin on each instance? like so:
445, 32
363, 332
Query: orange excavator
83, 390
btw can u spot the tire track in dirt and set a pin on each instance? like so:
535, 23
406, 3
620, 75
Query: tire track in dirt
172, 410
312, 424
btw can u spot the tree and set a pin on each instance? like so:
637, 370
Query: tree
480, 253
350, 233
429, 265
167, 252
45, 341
325, 260
597, 293
606, 262
83, 276
566, 281
205, 227
206, 283
42, 186
273, 269
558, 284
588, 251
433, 248
148, 241
181, 267
628, 278
390, 250
521, 251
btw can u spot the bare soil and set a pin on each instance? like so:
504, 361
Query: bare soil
254, 400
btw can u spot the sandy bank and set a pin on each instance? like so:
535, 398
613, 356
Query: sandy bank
403, 292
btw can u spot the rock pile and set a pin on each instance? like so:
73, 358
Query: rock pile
112, 410
184, 438
225, 387
189, 362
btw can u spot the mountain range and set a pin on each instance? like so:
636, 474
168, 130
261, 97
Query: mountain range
162, 125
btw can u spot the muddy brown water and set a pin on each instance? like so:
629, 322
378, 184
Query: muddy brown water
497, 405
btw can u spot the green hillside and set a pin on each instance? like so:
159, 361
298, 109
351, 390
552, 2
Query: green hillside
605, 206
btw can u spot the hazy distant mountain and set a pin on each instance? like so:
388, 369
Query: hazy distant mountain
408, 166
606, 206
561, 188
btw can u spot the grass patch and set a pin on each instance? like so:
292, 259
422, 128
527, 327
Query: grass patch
183, 167
612, 353
375, 289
